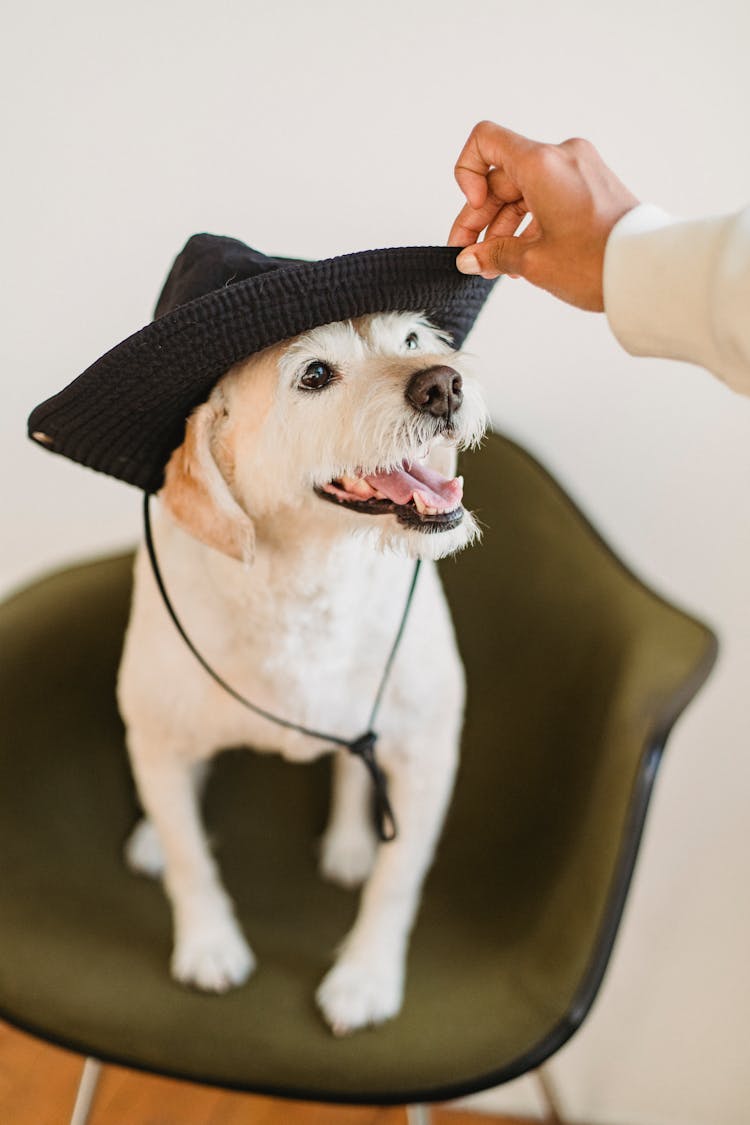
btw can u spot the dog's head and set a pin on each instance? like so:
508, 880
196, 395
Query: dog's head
353, 427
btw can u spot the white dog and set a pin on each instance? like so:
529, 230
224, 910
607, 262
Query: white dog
305, 484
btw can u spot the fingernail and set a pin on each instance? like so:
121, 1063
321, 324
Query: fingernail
468, 262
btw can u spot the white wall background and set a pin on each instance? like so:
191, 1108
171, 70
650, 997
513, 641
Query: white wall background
317, 128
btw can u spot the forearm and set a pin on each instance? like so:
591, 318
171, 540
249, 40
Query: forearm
682, 290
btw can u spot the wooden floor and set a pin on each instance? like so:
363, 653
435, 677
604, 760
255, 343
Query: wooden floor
38, 1086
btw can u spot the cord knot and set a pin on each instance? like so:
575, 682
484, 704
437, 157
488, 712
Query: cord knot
364, 748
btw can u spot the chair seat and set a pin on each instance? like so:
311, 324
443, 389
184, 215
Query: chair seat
576, 673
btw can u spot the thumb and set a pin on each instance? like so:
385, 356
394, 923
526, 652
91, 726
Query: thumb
493, 257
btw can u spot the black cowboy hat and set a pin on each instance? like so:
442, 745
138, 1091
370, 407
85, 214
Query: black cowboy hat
222, 302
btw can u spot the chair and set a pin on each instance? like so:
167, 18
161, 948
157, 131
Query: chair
576, 673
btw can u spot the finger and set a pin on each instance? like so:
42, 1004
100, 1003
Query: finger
488, 146
464, 232
495, 257
507, 220
471, 221
503, 186
532, 231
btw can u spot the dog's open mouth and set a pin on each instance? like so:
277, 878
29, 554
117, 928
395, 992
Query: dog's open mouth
419, 497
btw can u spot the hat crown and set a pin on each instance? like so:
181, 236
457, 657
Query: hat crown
208, 262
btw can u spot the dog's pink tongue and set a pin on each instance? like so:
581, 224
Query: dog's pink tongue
435, 490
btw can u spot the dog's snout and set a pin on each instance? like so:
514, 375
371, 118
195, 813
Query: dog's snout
436, 390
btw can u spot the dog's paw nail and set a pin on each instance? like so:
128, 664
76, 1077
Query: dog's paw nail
143, 853
352, 996
213, 959
347, 858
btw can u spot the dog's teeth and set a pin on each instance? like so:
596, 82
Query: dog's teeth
422, 506
357, 487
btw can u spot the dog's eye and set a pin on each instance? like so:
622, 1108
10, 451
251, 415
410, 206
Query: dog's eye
317, 375
412, 341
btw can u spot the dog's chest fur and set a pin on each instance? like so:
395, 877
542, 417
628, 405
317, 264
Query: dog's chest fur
305, 634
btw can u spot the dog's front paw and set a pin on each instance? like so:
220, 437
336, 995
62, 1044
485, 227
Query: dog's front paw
212, 955
355, 995
143, 852
347, 856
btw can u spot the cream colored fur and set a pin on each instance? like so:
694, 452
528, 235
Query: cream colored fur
285, 593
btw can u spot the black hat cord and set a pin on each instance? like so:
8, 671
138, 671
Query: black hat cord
363, 746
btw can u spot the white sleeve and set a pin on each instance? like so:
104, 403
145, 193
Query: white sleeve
682, 289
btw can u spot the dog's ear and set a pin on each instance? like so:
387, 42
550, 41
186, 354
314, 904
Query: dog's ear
196, 493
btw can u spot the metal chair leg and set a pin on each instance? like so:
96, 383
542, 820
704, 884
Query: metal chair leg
418, 1114
92, 1069
553, 1114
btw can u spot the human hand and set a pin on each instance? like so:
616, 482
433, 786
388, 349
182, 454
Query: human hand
574, 200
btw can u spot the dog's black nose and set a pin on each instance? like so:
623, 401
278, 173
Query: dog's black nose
437, 391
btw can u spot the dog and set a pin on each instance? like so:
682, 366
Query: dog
308, 482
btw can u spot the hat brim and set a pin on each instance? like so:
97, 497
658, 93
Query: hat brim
127, 412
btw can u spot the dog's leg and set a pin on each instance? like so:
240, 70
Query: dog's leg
349, 843
209, 948
143, 851
365, 986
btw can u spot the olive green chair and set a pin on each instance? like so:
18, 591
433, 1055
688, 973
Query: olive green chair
576, 674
